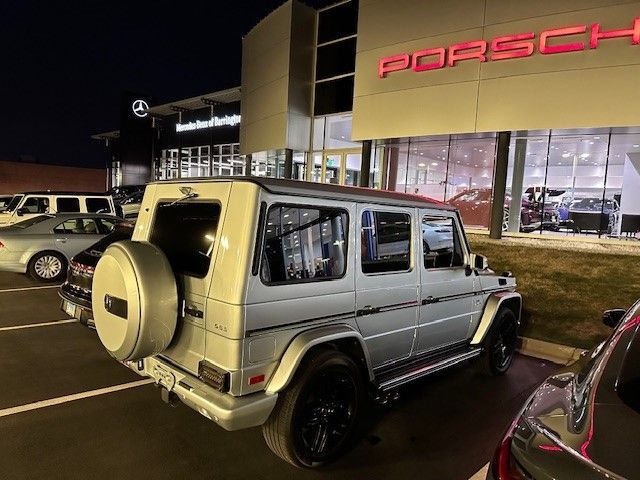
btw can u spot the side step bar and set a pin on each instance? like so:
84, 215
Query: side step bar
423, 370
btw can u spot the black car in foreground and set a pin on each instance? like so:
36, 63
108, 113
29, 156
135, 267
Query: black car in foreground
583, 422
76, 291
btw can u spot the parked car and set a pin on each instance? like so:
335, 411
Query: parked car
28, 205
475, 208
584, 421
131, 204
42, 245
4, 201
122, 192
280, 303
76, 291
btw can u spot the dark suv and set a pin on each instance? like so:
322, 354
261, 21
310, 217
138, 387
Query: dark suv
76, 291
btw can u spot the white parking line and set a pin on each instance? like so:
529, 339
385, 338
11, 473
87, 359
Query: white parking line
481, 474
22, 289
71, 398
34, 325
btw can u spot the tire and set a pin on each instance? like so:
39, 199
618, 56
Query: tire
48, 266
328, 392
500, 344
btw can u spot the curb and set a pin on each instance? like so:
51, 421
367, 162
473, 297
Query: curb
553, 352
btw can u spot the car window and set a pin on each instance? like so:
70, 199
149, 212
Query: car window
186, 233
67, 205
107, 225
36, 205
304, 243
77, 226
386, 242
14, 202
441, 247
98, 205
629, 377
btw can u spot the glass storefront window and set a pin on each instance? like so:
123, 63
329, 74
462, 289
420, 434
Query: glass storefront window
622, 194
427, 169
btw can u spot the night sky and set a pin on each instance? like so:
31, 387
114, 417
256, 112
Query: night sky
65, 63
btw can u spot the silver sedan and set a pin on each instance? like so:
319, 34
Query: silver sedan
42, 246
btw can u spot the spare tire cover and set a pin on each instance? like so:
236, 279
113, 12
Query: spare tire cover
135, 300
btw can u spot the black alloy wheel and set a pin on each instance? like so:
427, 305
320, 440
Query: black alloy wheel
501, 342
317, 416
325, 414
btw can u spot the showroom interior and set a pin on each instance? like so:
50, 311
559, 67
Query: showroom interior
570, 157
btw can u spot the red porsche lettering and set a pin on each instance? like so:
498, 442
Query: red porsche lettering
520, 45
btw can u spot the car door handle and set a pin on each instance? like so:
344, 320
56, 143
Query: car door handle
61, 240
429, 300
367, 310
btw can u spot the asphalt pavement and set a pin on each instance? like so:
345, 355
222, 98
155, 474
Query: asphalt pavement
69, 411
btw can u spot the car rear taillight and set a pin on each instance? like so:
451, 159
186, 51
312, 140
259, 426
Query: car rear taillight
213, 377
1, 245
82, 268
503, 465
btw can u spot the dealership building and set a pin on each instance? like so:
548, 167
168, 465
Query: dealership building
524, 115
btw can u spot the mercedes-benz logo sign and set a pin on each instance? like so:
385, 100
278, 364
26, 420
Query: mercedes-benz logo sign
139, 107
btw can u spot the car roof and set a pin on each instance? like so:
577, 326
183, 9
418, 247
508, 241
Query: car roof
324, 190
67, 215
79, 194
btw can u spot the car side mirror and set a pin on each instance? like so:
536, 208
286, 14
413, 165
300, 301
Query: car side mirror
479, 262
611, 318
21, 211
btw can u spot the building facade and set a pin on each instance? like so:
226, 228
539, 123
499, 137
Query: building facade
524, 115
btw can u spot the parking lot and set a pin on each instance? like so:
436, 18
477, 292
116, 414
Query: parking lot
67, 410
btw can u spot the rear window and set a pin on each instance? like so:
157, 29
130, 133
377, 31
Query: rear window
123, 231
186, 233
67, 205
98, 205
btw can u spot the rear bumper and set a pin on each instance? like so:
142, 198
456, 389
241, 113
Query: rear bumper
231, 413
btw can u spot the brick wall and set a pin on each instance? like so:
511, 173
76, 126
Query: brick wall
20, 177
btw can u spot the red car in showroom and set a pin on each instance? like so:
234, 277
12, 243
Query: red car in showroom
474, 206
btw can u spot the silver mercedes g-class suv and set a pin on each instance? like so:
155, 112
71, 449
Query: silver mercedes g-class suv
286, 304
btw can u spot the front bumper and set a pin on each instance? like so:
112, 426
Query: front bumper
231, 413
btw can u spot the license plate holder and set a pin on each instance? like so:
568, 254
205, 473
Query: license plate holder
70, 309
164, 377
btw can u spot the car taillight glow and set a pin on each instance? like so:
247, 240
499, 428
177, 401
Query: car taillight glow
503, 465
82, 268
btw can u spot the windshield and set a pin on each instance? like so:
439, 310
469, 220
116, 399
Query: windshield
14, 203
122, 231
628, 385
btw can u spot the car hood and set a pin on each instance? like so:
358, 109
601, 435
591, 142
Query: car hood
580, 427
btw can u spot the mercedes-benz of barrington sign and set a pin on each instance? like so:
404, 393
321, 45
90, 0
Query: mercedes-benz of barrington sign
505, 47
227, 120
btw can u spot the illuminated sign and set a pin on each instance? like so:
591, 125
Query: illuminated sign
227, 120
138, 107
505, 47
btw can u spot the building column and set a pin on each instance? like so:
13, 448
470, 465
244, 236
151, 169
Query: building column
392, 166
247, 164
365, 165
517, 184
288, 163
499, 185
